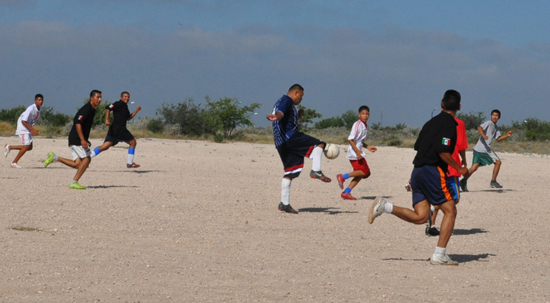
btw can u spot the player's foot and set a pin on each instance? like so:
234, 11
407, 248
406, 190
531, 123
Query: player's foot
76, 186
287, 208
133, 165
377, 208
15, 165
432, 231
49, 160
319, 175
408, 187
341, 181
347, 196
463, 185
6, 150
442, 260
494, 184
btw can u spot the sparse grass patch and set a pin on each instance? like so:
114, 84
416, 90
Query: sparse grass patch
25, 228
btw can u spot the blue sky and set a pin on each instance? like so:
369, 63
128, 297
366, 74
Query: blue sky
397, 57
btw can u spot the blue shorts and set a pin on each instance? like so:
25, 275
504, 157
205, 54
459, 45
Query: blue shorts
124, 137
293, 151
431, 183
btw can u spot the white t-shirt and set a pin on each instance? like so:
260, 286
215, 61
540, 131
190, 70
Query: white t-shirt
491, 131
358, 134
30, 115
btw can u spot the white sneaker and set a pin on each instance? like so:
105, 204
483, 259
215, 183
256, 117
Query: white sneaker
442, 260
6, 150
377, 208
15, 165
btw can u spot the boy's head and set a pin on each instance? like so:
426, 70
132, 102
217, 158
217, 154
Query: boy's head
296, 92
364, 113
125, 97
451, 100
38, 100
95, 98
495, 115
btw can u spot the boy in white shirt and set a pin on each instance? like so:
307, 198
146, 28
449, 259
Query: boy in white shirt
25, 130
355, 155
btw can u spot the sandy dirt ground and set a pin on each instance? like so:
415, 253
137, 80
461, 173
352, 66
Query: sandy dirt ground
198, 222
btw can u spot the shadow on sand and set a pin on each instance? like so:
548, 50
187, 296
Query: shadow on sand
327, 210
472, 231
458, 258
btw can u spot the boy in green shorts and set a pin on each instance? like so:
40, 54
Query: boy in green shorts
483, 153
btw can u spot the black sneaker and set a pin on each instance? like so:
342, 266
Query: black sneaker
463, 185
432, 231
319, 175
494, 184
287, 208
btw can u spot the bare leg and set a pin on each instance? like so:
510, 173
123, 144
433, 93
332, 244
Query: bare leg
84, 163
448, 223
496, 169
420, 214
22, 150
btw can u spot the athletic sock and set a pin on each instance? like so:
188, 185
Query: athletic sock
74, 181
345, 176
388, 208
55, 157
432, 208
440, 251
285, 191
316, 155
95, 152
131, 152
347, 190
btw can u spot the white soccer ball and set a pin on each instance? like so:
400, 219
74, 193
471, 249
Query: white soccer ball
331, 151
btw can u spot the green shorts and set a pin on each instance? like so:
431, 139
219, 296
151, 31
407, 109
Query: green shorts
485, 158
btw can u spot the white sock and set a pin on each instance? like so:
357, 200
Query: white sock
432, 208
388, 208
130, 159
439, 251
285, 191
316, 155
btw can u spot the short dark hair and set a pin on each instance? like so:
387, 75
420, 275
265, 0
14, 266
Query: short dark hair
94, 92
38, 96
496, 111
363, 107
451, 100
124, 92
296, 87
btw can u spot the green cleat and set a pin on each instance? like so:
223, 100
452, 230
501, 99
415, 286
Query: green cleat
49, 160
76, 186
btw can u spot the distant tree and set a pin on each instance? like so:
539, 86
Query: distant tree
307, 118
229, 115
349, 118
345, 120
191, 118
49, 118
472, 119
11, 115
535, 129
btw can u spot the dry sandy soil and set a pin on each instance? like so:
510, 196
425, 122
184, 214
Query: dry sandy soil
198, 222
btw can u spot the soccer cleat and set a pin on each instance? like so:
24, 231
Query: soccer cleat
319, 175
442, 260
133, 165
347, 196
429, 223
341, 181
49, 160
76, 186
494, 184
408, 187
377, 208
6, 150
432, 231
287, 208
15, 165
463, 185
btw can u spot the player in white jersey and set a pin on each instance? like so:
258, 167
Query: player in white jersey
355, 155
25, 130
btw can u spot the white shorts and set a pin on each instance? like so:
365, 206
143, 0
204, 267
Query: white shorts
26, 139
79, 151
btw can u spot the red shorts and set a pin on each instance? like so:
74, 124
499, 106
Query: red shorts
362, 166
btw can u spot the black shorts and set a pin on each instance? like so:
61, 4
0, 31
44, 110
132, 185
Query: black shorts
293, 151
124, 137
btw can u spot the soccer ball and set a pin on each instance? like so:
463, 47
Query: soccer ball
331, 151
